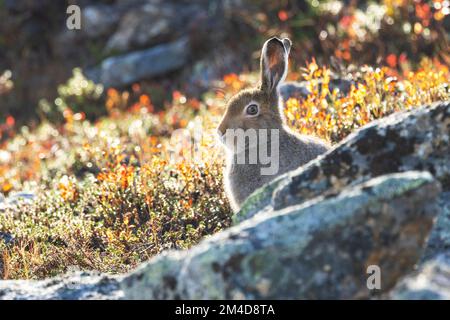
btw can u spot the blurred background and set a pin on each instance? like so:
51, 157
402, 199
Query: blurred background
186, 45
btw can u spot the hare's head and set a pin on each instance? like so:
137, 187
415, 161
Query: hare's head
257, 108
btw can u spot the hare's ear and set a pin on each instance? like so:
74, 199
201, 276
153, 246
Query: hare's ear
274, 63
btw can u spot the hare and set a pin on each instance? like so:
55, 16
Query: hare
257, 113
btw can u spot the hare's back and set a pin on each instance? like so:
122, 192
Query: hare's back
299, 150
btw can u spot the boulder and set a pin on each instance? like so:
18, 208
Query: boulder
431, 282
75, 286
142, 26
439, 240
313, 233
300, 90
99, 20
6, 237
215, 65
15, 198
318, 250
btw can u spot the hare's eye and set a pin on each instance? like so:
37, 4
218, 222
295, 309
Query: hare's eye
252, 109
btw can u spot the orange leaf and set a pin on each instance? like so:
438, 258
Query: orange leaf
283, 15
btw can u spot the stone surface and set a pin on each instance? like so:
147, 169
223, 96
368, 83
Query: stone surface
439, 240
126, 69
205, 72
318, 250
110, 29
76, 286
99, 20
156, 22
414, 140
312, 233
14, 198
6, 237
431, 282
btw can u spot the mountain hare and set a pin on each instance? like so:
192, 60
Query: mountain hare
253, 124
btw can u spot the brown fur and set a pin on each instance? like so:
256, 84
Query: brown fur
294, 150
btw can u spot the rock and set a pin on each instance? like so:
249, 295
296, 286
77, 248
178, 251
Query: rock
142, 26
99, 20
439, 240
300, 90
312, 233
431, 282
205, 72
317, 250
76, 286
21, 6
20, 196
36, 32
126, 69
259, 201
156, 22
413, 140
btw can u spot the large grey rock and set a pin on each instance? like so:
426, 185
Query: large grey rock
413, 140
153, 22
205, 72
431, 282
312, 233
76, 286
14, 198
439, 241
317, 250
300, 90
126, 69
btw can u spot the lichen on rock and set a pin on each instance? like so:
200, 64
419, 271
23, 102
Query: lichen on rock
317, 250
